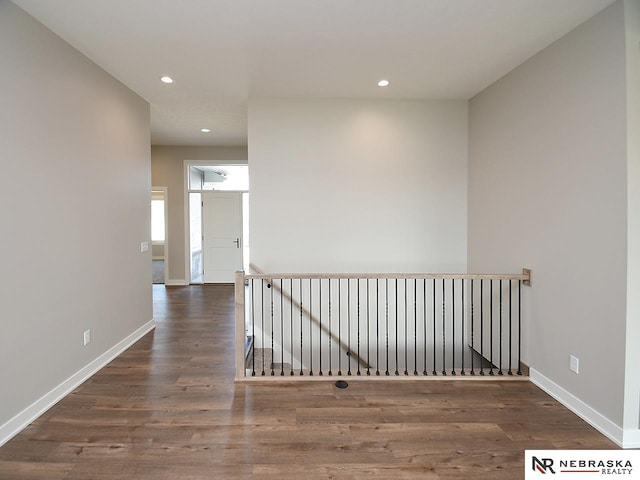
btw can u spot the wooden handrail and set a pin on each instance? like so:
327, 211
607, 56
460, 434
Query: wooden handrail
307, 313
525, 276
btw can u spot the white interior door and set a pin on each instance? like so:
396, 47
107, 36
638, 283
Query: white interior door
222, 236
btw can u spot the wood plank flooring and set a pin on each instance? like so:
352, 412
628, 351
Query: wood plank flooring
168, 409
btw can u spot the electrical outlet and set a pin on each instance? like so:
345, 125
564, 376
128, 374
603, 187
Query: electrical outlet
574, 364
87, 337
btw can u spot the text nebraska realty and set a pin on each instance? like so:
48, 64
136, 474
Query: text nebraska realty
605, 467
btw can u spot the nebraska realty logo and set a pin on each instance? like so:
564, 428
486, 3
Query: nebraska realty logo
580, 464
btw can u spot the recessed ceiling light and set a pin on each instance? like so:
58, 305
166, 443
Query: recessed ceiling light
383, 83
166, 79
205, 130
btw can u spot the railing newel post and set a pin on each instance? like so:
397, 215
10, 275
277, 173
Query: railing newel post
241, 325
520, 325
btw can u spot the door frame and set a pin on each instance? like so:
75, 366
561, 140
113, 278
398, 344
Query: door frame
186, 164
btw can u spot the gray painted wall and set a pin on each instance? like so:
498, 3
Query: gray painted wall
167, 170
547, 190
632, 381
82, 139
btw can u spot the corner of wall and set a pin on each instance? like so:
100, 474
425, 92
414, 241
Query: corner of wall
580, 408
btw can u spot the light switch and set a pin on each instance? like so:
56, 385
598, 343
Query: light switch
144, 247
574, 364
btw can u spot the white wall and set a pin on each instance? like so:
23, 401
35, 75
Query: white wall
358, 185
167, 169
547, 190
82, 139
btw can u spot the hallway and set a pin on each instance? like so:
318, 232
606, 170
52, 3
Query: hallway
168, 409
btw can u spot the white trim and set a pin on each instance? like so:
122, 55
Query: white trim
577, 406
186, 164
44, 403
176, 283
186, 221
631, 438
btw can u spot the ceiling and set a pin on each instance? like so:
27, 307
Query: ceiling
222, 53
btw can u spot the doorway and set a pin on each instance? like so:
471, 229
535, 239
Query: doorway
218, 221
159, 249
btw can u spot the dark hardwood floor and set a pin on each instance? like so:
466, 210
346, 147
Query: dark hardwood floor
168, 409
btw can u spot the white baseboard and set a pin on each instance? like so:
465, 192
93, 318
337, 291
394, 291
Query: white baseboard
577, 406
631, 438
176, 283
37, 408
